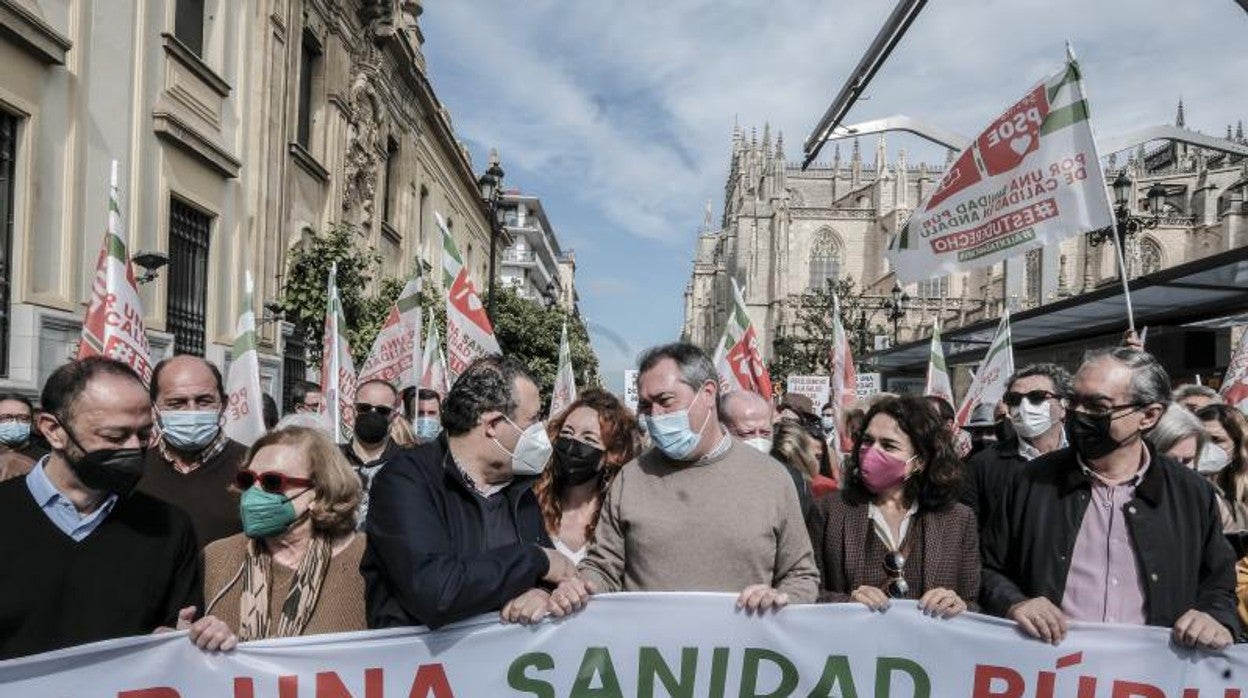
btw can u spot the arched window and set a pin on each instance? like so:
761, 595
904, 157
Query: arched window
1150, 256
825, 258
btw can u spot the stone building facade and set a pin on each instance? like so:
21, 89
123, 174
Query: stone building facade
785, 231
240, 129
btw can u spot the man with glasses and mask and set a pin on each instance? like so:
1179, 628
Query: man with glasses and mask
1033, 398
701, 511
454, 528
85, 557
192, 462
1108, 530
376, 406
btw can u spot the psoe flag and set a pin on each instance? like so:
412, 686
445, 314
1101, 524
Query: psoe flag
996, 368
244, 410
938, 383
564, 393
469, 334
113, 325
1030, 179
1235, 386
337, 367
395, 357
738, 361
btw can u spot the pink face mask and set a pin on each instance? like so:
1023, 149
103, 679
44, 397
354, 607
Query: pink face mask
880, 471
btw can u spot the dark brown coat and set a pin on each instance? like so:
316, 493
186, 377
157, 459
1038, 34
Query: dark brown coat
950, 554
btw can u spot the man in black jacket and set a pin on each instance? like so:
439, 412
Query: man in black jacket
453, 527
1033, 398
1108, 530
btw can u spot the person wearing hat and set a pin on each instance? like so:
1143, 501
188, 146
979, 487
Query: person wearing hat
982, 428
1033, 399
797, 408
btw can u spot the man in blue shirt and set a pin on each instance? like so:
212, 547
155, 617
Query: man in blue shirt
87, 558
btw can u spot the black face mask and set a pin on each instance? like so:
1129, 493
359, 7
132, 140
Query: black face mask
113, 470
1004, 430
371, 427
576, 462
1089, 434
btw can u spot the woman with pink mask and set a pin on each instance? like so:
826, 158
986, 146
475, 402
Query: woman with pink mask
896, 530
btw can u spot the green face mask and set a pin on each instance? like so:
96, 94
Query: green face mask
265, 513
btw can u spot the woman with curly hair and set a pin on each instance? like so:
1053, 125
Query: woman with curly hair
592, 439
896, 530
295, 568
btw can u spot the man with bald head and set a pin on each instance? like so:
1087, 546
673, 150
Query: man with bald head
749, 417
192, 463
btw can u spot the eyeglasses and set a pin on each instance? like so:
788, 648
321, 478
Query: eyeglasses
894, 566
1094, 410
365, 408
1035, 397
271, 481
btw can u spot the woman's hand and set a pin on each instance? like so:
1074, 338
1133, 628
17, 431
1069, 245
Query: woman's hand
526, 609
871, 597
941, 603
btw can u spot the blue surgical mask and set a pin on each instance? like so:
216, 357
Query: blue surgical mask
673, 435
13, 433
189, 430
427, 428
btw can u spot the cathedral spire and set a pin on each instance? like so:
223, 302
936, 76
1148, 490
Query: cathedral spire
836, 160
780, 145
948, 158
881, 154
1239, 131
1230, 135
1178, 118
767, 137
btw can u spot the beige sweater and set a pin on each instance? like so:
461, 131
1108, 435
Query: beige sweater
717, 525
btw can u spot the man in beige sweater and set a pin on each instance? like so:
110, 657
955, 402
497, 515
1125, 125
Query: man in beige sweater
699, 512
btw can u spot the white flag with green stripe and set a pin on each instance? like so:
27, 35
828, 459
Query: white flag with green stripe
469, 334
1031, 179
337, 367
564, 392
395, 357
990, 379
938, 383
244, 409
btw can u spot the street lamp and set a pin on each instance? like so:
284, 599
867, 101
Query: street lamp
491, 185
896, 306
1127, 224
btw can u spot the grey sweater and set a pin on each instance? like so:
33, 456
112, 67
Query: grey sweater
721, 524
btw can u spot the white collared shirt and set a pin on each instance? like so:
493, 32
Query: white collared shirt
882, 528
1030, 452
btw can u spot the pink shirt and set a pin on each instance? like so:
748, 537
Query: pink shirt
1104, 584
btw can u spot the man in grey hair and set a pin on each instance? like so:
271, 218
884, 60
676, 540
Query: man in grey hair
1033, 398
1196, 397
1109, 530
701, 511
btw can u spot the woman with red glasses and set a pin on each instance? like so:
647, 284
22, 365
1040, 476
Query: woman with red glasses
896, 530
295, 569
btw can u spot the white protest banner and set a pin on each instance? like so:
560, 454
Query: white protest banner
814, 387
469, 334
868, 384
113, 325
1031, 179
988, 385
653, 645
244, 409
630, 388
395, 357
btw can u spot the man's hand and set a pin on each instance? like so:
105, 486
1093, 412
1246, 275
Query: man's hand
760, 598
941, 603
1199, 629
871, 597
527, 608
561, 568
1040, 619
571, 596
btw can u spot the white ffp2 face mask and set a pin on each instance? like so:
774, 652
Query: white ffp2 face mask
761, 443
532, 451
1031, 420
1212, 459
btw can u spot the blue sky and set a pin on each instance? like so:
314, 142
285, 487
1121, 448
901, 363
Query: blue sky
619, 114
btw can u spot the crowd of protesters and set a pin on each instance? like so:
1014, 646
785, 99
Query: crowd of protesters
1100, 496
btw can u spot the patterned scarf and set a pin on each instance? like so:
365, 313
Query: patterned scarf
300, 601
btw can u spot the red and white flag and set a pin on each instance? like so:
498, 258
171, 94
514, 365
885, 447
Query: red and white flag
737, 357
433, 363
843, 377
1235, 385
989, 381
337, 368
395, 357
1031, 179
113, 325
469, 334
564, 393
